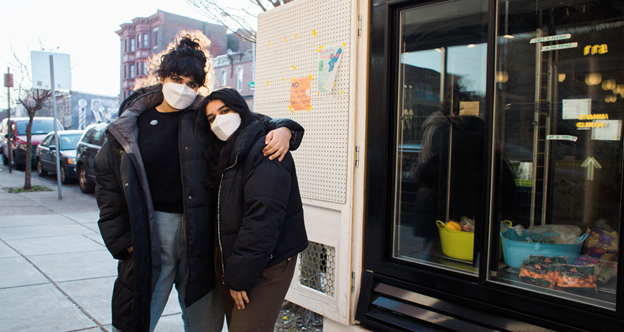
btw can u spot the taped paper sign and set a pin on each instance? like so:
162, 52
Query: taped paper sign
611, 131
574, 108
469, 108
329, 60
300, 97
562, 138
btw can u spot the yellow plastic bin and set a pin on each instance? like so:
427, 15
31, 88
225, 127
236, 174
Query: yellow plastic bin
456, 244
459, 244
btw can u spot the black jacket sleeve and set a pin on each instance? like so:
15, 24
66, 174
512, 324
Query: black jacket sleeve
266, 194
296, 129
114, 220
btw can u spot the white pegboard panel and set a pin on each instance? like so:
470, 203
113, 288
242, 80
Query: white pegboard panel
287, 48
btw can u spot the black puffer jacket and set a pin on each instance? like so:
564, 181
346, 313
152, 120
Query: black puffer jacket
127, 212
260, 213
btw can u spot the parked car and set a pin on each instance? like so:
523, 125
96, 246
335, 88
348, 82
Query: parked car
87, 148
46, 154
40, 128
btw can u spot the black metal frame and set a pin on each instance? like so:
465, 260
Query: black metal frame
453, 287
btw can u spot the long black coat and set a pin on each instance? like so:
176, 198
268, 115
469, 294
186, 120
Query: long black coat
127, 211
260, 214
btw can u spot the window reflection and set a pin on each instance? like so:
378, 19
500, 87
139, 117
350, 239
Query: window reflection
440, 134
559, 116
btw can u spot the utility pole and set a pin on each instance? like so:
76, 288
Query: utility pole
8, 83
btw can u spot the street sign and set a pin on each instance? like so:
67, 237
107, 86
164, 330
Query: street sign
252, 86
40, 62
8, 80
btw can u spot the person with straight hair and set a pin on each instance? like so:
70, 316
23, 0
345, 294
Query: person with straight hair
260, 225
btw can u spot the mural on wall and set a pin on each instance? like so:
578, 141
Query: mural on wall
88, 109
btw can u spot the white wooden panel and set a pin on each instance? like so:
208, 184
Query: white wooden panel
322, 158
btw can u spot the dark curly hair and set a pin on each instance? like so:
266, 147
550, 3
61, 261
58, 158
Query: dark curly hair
186, 55
187, 59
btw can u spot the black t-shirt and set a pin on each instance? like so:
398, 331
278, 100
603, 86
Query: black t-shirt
158, 143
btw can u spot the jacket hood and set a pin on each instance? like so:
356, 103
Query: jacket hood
245, 140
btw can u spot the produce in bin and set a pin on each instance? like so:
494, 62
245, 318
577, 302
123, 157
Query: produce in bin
519, 243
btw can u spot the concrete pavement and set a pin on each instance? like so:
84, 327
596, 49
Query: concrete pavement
55, 273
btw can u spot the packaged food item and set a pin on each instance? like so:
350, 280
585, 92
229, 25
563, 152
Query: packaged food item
549, 260
538, 273
608, 271
572, 277
601, 245
467, 224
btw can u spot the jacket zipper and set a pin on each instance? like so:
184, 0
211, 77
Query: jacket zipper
219, 220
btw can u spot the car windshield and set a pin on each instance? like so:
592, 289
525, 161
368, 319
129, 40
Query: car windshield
69, 141
39, 127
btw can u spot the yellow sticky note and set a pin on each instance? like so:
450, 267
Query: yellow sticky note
311, 78
283, 79
267, 83
314, 33
291, 109
341, 91
318, 93
320, 48
269, 43
343, 44
285, 39
309, 108
292, 79
295, 68
296, 36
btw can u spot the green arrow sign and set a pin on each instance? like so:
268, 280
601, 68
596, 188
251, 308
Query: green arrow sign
590, 163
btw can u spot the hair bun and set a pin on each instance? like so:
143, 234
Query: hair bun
188, 42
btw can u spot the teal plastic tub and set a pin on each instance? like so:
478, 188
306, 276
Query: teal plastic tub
514, 252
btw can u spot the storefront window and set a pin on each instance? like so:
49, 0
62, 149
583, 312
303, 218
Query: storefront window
439, 177
558, 123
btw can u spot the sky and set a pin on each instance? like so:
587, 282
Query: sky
84, 29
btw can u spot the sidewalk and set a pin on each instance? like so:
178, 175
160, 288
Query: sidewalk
55, 273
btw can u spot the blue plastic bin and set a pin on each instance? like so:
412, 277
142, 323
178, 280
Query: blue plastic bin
514, 252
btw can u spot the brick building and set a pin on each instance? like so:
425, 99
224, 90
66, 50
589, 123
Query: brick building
147, 35
235, 69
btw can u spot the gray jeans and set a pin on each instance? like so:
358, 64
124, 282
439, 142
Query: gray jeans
205, 315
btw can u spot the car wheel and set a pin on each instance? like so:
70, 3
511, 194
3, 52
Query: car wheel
64, 178
18, 166
40, 170
5, 160
85, 186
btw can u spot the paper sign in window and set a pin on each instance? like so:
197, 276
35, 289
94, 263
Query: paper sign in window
611, 132
300, 94
469, 108
573, 108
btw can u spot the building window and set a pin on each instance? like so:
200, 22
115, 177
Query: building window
145, 68
124, 95
239, 79
138, 68
145, 40
155, 36
126, 45
223, 78
125, 73
138, 40
131, 45
131, 71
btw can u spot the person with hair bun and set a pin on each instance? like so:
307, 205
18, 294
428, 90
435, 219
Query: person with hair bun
156, 216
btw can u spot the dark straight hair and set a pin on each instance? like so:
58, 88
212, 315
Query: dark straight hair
217, 153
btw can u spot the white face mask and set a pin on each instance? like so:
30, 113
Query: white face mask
178, 96
225, 125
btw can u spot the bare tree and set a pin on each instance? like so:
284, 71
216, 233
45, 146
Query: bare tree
236, 19
33, 100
